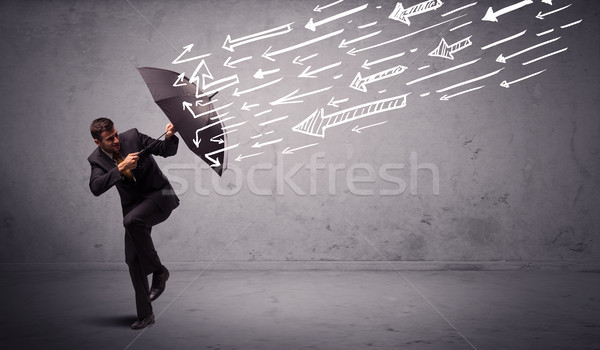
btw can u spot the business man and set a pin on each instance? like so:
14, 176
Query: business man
147, 199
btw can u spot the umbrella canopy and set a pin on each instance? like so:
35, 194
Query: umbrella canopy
195, 120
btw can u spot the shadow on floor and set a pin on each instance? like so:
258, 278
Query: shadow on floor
118, 321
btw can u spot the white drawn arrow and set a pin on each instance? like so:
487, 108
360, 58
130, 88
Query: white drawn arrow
503, 40
345, 42
471, 80
188, 49
357, 129
213, 86
240, 157
549, 2
197, 139
492, 16
507, 84
354, 51
189, 107
269, 55
229, 43
259, 145
237, 93
318, 8
180, 81
317, 122
503, 59
368, 64
231, 64
313, 25
311, 74
401, 14
448, 97
443, 71
273, 120
541, 15
445, 51
220, 140
334, 103
299, 60
293, 98
287, 150
216, 162
247, 107
260, 74
359, 83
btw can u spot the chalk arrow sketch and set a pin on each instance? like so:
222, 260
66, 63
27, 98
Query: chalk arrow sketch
507, 84
345, 42
492, 16
313, 25
180, 81
318, 8
230, 44
188, 106
209, 85
503, 40
293, 98
240, 157
247, 107
357, 130
359, 83
231, 64
541, 15
269, 55
445, 51
288, 150
448, 97
367, 64
216, 162
260, 74
259, 145
503, 59
299, 60
307, 73
549, 2
238, 93
186, 50
401, 14
334, 103
318, 122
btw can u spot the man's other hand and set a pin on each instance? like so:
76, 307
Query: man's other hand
170, 129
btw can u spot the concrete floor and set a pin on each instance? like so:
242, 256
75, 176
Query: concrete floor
306, 310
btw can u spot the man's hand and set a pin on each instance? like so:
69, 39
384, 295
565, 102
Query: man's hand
170, 129
130, 162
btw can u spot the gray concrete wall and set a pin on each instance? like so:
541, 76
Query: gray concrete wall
518, 167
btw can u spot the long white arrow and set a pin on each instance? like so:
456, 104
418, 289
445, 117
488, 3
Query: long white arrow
507, 84
313, 25
345, 42
318, 8
240, 157
216, 162
259, 145
268, 55
503, 40
492, 16
448, 97
359, 83
247, 107
471, 80
334, 103
237, 93
311, 74
443, 71
502, 59
231, 64
401, 14
189, 107
368, 64
293, 98
260, 74
188, 49
229, 43
356, 129
317, 122
299, 60
541, 15
287, 150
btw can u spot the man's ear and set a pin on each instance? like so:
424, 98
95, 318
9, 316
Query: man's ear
97, 142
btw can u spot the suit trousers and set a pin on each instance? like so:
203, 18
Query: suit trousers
140, 255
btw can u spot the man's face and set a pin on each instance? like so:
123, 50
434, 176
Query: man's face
109, 141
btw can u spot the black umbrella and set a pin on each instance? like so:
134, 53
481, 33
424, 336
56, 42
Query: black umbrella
196, 120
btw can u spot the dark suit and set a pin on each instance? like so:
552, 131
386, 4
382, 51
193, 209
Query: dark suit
146, 201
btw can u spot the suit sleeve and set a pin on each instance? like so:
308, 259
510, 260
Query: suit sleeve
164, 148
101, 181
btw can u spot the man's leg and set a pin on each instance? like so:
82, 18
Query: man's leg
139, 281
138, 225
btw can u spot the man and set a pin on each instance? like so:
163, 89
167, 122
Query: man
147, 199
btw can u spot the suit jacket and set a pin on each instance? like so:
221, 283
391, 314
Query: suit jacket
149, 182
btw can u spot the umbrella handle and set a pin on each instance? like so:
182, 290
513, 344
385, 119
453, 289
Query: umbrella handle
146, 150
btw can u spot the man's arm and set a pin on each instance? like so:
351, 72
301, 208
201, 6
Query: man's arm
165, 148
101, 181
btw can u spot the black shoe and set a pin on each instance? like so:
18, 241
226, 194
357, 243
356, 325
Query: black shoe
159, 282
143, 323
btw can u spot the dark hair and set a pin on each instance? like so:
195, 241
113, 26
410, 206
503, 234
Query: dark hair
99, 126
